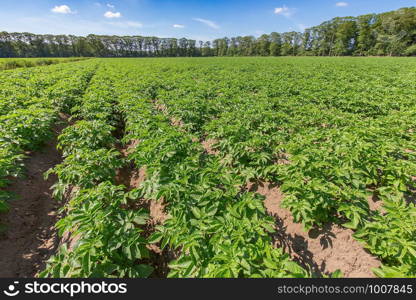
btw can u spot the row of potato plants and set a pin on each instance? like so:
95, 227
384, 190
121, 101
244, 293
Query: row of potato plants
28, 110
214, 228
14, 63
104, 237
338, 144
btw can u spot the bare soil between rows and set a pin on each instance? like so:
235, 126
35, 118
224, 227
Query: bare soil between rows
131, 177
30, 237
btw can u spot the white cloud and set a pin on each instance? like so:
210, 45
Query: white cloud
207, 22
112, 15
341, 4
178, 26
284, 11
110, 5
62, 9
127, 24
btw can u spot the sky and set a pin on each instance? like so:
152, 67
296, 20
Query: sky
195, 19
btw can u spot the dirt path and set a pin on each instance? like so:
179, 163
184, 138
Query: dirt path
30, 238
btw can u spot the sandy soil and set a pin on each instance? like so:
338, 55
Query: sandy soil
322, 250
208, 146
30, 238
375, 203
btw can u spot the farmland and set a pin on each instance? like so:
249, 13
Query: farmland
14, 63
220, 167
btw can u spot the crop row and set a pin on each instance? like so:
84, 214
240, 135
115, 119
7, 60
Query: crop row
14, 63
30, 103
104, 236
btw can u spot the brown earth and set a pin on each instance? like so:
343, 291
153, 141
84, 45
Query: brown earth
176, 122
30, 237
129, 176
163, 109
322, 250
160, 106
375, 203
208, 146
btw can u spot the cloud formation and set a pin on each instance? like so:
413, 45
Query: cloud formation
341, 4
284, 11
209, 23
178, 26
62, 9
112, 15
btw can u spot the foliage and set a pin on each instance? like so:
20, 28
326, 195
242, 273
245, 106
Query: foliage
28, 112
386, 34
330, 132
108, 238
8, 64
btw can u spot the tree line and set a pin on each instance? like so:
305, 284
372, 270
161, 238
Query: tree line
387, 34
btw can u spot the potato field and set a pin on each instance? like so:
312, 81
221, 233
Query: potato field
222, 167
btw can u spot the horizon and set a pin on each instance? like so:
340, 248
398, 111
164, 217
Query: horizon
167, 19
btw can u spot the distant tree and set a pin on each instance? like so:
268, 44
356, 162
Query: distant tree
207, 50
263, 45
345, 36
392, 33
275, 44
366, 37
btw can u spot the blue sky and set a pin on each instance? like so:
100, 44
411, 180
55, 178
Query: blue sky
197, 19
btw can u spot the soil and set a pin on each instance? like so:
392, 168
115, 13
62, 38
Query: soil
375, 203
160, 106
157, 212
322, 250
30, 237
130, 177
208, 146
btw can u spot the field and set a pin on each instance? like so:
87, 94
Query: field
210, 167
14, 63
